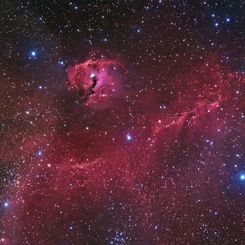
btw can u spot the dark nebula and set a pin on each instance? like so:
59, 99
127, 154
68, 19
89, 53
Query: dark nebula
142, 144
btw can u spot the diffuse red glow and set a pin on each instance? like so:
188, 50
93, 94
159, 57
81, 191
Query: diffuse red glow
140, 186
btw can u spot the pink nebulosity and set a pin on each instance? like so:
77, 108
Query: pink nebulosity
161, 181
106, 73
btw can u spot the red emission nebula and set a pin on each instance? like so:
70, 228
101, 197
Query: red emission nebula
145, 174
99, 78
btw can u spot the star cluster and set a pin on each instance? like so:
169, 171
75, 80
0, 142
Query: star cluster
155, 155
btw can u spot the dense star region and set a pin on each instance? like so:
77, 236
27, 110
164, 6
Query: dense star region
122, 122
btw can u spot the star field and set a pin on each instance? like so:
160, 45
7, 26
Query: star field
122, 122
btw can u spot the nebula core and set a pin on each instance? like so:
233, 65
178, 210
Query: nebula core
107, 75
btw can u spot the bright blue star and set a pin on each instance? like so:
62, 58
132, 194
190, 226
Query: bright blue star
242, 177
105, 40
138, 30
210, 142
33, 53
6, 204
129, 137
39, 153
227, 19
216, 24
119, 238
156, 227
61, 62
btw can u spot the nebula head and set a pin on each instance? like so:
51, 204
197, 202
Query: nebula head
97, 81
